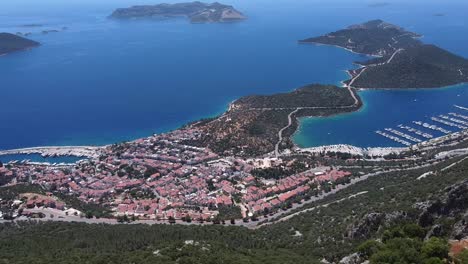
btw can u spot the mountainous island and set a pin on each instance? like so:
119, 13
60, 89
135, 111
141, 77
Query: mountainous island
403, 60
11, 43
196, 12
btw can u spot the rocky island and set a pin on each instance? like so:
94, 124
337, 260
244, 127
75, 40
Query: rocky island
11, 43
196, 12
403, 60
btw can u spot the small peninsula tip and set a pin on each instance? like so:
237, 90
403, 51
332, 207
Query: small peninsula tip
196, 12
11, 43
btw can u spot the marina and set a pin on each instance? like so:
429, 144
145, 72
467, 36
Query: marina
451, 119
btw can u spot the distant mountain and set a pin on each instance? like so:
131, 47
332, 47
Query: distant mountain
11, 43
197, 12
404, 61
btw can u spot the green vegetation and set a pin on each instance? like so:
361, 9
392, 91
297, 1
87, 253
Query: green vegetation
254, 121
405, 244
12, 192
331, 231
372, 37
314, 95
279, 172
423, 66
90, 209
416, 65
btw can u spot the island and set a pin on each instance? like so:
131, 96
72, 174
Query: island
196, 12
11, 43
403, 61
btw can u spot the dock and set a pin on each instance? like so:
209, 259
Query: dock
433, 127
403, 135
394, 138
417, 132
447, 123
461, 107
465, 123
459, 116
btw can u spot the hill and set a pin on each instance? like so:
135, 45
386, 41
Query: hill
251, 125
197, 12
11, 43
424, 66
374, 37
403, 61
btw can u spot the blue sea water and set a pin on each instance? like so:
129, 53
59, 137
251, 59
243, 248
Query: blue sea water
102, 81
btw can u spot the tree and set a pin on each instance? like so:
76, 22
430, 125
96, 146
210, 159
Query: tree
369, 248
462, 257
435, 247
172, 220
89, 214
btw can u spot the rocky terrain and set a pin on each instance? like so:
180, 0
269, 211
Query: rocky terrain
11, 43
196, 12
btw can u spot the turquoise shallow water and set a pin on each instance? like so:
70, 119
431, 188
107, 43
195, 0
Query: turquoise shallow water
383, 109
102, 81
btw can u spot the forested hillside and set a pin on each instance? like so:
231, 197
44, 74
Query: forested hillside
337, 226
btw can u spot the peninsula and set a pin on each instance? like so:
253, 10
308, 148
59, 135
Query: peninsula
196, 12
259, 124
403, 60
11, 43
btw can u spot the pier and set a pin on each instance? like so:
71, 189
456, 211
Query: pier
394, 138
459, 116
447, 123
461, 107
417, 132
403, 135
465, 123
433, 127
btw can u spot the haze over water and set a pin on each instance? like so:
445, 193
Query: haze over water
103, 81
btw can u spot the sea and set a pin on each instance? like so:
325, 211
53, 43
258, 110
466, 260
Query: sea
100, 81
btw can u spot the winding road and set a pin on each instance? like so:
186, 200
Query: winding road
280, 133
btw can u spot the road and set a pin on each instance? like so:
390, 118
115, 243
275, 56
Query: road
280, 133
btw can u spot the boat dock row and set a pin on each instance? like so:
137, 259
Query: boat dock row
396, 139
433, 127
447, 123
403, 135
461, 107
417, 132
465, 123
459, 116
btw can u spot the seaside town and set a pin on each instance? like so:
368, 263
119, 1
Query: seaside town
159, 178
163, 178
